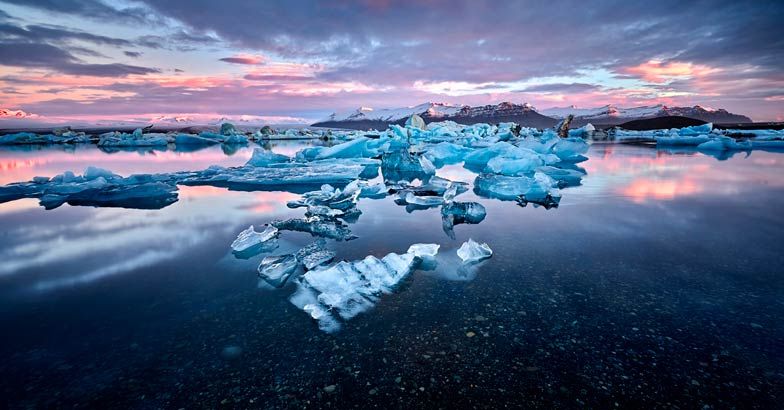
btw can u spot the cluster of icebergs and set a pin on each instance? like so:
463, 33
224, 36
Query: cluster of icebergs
228, 135
705, 138
511, 163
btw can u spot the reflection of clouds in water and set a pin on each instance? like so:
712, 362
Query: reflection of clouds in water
146, 258
644, 174
18, 166
133, 238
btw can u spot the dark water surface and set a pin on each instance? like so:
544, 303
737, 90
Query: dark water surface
658, 283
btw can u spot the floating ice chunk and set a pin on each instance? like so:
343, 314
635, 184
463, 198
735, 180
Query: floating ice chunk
137, 139
428, 201
723, 143
317, 226
519, 164
446, 153
27, 138
235, 139
510, 188
455, 213
329, 197
472, 252
276, 175
356, 148
249, 238
571, 149
353, 287
314, 254
400, 165
675, 139
480, 157
262, 158
585, 131
228, 128
277, 269
465, 212
416, 121
188, 139
696, 129
564, 176
424, 250
97, 187
451, 192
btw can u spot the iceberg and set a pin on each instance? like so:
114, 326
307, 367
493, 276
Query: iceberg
472, 252
275, 270
250, 238
675, 139
565, 177
96, 187
314, 254
446, 153
330, 197
228, 129
571, 149
426, 201
455, 213
136, 139
424, 250
508, 188
349, 288
317, 226
188, 139
724, 143
400, 165
262, 158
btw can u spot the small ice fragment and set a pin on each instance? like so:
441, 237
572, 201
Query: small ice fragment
262, 158
250, 238
314, 254
412, 199
424, 250
472, 251
277, 269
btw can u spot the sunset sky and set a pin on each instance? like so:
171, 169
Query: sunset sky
291, 60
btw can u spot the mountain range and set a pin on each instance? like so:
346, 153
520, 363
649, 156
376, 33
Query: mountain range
524, 114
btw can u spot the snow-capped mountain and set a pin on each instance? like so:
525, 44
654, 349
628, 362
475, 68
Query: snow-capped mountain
611, 114
366, 118
431, 110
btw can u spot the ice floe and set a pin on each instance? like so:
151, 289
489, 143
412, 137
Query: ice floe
472, 251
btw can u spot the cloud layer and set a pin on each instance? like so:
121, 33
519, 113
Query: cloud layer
305, 58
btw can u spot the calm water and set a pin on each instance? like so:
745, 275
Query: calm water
658, 282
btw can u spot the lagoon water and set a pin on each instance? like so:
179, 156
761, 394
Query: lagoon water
659, 282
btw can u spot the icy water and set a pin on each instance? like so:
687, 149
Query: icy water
659, 282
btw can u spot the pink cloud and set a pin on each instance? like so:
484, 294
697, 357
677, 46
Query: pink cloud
655, 71
247, 59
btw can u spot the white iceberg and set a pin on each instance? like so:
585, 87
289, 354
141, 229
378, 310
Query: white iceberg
472, 251
250, 238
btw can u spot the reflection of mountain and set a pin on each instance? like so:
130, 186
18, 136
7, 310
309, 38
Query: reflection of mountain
524, 114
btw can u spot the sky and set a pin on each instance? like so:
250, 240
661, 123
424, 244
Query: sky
294, 60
